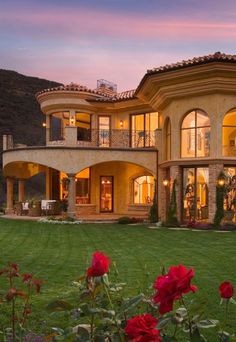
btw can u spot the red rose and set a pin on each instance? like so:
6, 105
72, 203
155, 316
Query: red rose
27, 277
100, 265
172, 286
226, 290
142, 329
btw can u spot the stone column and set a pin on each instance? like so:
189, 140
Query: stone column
10, 188
162, 194
48, 183
175, 173
214, 171
48, 128
21, 190
71, 195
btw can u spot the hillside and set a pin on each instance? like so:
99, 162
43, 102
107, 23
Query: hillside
20, 116
19, 111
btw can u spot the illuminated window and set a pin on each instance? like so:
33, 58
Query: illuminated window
195, 135
143, 128
58, 121
143, 189
83, 124
195, 193
229, 134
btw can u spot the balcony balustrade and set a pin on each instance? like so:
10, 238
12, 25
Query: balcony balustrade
114, 138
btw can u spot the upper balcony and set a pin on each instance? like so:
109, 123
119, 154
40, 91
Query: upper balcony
112, 138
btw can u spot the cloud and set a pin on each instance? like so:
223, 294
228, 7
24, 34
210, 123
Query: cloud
81, 22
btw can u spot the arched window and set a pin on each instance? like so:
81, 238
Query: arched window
195, 135
143, 189
168, 140
229, 134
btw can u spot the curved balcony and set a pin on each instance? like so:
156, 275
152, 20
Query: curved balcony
113, 138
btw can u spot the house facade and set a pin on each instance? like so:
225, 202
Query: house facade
107, 152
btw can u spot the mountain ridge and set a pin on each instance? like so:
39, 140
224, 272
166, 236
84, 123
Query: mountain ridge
20, 114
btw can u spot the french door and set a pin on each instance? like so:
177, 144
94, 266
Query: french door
106, 194
104, 131
195, 193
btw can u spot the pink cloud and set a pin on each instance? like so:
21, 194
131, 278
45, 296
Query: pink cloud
80, 22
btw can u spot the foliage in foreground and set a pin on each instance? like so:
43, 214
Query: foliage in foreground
101, 313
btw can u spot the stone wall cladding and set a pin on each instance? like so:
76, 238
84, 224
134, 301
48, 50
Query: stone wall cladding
162, 194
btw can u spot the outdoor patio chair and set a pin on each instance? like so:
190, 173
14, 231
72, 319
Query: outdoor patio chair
54, 208
20, 209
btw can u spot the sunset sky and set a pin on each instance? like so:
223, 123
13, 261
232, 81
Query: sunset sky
85, 40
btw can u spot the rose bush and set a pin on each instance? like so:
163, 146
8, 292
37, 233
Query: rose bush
101, 312
21, 311
159, 315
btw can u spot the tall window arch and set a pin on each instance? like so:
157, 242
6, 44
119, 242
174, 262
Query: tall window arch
143, 189
229, 134
168, 139
195, 135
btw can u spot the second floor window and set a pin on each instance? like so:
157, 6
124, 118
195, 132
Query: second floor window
143, 128
83, 124
195, 135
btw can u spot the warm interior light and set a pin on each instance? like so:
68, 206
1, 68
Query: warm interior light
44, 124
121, 123
165, 182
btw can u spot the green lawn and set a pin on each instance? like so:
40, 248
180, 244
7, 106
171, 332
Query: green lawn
60, 253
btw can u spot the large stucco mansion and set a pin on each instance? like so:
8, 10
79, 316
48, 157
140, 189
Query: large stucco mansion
106, 152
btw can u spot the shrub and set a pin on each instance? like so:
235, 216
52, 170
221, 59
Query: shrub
124, 220
220, 194
172, 220
153, 213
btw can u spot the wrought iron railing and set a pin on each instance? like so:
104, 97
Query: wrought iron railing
117, 138
229, 151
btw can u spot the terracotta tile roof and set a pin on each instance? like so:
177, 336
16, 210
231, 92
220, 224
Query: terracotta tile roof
72, 87
102, 96
216, 57
125, 95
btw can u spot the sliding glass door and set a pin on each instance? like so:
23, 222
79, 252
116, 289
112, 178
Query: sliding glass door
195, 193
106, 194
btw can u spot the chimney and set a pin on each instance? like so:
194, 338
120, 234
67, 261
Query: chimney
107, 88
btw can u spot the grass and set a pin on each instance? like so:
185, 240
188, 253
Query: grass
61, 253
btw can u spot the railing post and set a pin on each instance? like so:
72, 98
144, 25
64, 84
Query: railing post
70, 136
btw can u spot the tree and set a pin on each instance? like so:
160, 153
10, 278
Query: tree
220, 194
172, 219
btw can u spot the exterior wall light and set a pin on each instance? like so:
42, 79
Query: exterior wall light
221, 181
165, 182
121, 123
72, 121
44, 124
